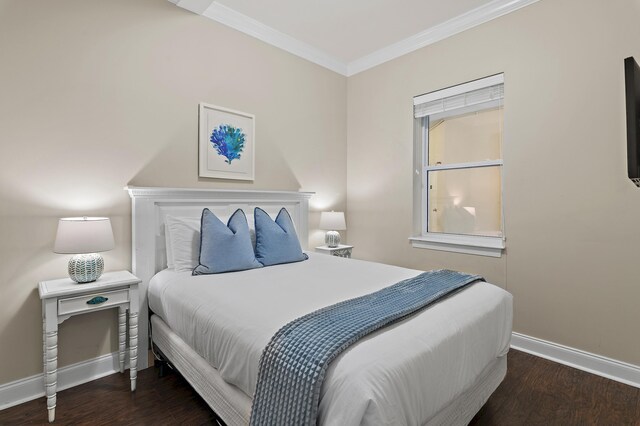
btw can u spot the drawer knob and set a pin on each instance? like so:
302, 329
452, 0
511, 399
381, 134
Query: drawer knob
97, 300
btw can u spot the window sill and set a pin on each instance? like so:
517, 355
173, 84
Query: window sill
467, 244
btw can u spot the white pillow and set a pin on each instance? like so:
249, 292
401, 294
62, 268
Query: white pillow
184, 242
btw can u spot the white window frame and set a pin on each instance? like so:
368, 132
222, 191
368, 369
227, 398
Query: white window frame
459, 243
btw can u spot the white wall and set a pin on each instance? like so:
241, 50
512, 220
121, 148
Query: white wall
571, 214
95, 95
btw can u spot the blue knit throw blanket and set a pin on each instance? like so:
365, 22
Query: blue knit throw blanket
294, 363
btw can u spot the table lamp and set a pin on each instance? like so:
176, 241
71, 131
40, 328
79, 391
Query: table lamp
84, 237
332, 222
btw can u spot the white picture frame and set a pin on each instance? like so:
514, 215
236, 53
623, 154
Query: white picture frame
226, 141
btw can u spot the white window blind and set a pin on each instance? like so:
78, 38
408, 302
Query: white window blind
490, 89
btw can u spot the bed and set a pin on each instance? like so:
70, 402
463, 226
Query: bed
436, 367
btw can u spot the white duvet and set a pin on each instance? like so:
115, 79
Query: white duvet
403, 374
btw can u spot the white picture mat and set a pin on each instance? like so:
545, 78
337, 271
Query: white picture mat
212, 164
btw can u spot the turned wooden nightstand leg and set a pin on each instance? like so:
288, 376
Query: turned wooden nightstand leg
133, 348
50, 358
122, 335
44, 343
51, 371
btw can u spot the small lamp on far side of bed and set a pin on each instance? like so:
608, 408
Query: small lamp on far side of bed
332, 222
84, 237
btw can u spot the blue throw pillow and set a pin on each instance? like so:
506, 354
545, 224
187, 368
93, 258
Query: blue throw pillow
276, 242
225, 248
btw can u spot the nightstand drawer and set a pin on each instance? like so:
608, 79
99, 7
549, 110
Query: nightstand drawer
93, 301
341, 250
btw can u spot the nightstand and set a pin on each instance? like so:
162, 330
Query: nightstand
340, 251
61, 299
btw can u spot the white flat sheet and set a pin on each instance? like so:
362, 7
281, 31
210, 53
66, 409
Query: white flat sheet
403, 374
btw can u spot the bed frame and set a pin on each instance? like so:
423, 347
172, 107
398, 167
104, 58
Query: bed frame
150, 206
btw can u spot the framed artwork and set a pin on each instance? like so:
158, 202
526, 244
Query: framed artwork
226, 143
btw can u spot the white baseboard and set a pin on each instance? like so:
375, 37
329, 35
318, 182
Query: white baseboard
585, 361
30, 388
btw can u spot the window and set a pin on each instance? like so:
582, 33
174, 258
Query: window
458, 159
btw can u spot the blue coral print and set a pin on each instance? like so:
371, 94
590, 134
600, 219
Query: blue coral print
228, 142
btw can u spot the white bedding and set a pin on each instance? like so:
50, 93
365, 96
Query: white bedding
403, 374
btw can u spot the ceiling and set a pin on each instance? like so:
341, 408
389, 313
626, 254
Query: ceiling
349, 36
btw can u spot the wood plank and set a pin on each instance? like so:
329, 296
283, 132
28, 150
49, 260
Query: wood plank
535, 391
540, 392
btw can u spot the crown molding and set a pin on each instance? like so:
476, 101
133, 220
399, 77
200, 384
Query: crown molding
195, 6
468, 20
229, 17
250, 26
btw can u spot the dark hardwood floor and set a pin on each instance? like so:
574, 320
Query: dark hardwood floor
541, 392
535, 392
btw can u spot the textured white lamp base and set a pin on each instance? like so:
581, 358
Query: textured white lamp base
86, 268
332, 239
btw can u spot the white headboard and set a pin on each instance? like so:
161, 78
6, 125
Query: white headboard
150, 206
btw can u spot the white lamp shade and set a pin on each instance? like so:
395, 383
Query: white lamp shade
78, 235
332, 221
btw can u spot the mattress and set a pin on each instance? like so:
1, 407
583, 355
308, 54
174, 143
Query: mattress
404, 374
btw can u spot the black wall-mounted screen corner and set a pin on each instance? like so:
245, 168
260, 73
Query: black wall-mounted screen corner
632, 92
